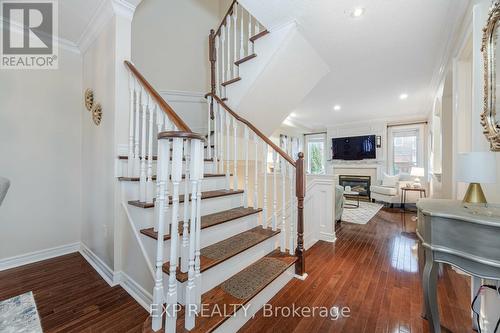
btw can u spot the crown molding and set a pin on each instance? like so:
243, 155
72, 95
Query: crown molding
106, 10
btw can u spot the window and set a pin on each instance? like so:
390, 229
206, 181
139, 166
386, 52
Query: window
316, 153
406, 149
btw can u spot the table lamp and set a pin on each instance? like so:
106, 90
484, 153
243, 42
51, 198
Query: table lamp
417, 173
476, 168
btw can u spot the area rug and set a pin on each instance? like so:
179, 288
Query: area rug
361, 215
19, 315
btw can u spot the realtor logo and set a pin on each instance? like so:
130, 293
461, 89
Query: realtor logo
29, 29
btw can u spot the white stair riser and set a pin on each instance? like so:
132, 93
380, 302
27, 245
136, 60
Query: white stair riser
209, 236
121, 168
130, 189
234, 323
220, 273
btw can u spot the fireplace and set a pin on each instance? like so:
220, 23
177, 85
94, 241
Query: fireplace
359, 184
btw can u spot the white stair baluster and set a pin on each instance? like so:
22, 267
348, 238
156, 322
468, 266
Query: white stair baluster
257, 27
245, 193
191, 292
223, 62
256, 181
130, 162
228, 151
275, 191
229, 61
216, 135
242, 33
149, 184
185, 225
217, 66
264, 170
142, 180
283, 205
171, 316
209, 137
137, 163
160, 119
250, 43
235, 161
291, 246
220, 143
162, 201
197, 265
235, 49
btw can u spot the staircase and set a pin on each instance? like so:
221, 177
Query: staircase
218, 216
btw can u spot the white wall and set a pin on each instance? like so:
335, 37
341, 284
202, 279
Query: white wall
170, 42
41, 113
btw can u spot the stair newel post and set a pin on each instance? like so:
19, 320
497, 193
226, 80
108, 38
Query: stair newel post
235, 161
137, 163
197, 265
300, 188
171, 315
245, 193
130, 163
283, 205
210, 117
162, 177
196, 170
185, 225
256, 180
235, 47
142, 179
228, 151
291, 175
242, 33
275, 190
149, 183
216, 49
264, 170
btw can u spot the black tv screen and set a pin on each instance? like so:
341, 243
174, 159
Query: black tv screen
354, 148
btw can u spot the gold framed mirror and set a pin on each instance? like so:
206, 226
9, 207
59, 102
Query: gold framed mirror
489, 118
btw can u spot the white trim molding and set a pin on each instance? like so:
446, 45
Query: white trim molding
173, 96
142, 296
29, 258
100, 266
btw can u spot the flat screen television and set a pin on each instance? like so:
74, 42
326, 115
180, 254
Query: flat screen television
354, 148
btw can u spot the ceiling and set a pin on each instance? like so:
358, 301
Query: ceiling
74, 16
396, 47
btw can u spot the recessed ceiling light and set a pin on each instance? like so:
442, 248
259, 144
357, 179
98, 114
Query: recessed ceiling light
337, 107
293, 115
403, 97
358, 12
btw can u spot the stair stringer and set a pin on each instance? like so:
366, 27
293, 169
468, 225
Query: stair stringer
274, 83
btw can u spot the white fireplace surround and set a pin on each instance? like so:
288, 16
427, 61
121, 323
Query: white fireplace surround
374, 169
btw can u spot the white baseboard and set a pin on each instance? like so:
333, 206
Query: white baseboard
32, 257
327, 237
142, 296
100, 266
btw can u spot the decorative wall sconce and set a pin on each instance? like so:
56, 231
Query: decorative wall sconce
94, 108
379, 141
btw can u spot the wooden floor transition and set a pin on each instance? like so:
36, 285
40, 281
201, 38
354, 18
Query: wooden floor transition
371, 269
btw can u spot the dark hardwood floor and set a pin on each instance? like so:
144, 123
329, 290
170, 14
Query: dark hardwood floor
372, 269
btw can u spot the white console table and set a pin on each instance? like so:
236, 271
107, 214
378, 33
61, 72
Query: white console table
451, 234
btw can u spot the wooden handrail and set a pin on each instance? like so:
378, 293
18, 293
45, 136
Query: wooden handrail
229, 12
174, 117
255, 129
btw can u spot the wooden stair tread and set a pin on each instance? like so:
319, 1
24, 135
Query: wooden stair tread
259, 35
125, 157
236, 79
259, 235
204, 195
210, 220
206, 175
244, 59
217, 297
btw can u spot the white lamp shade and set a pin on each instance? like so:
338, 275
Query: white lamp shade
477, 167
417, 172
